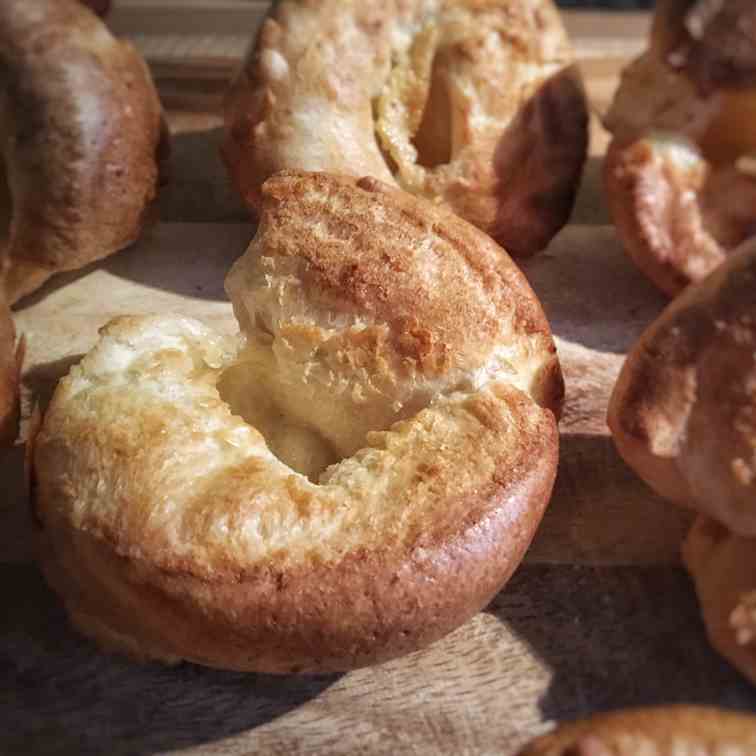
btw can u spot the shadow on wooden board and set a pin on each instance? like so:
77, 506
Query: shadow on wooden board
199, 188
590, 205
58, 695
602, 513
189, 260
617, 637
593, 295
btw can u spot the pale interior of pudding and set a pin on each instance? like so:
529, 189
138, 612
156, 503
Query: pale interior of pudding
242, 388
270, 396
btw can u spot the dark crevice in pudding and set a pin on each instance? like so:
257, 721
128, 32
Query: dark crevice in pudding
433, 140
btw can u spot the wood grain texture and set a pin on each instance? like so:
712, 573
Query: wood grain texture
198, 189
557, 643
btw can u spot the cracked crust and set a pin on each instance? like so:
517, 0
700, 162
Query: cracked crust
173, 520
661, 731
679, 174
683, 411
475, 105
723, 567
82, 130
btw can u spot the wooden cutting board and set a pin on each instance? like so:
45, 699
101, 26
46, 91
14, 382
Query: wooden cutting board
599, 616
565, 637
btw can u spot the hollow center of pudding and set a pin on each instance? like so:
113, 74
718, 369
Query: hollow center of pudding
242, 387
414, 114
433, 140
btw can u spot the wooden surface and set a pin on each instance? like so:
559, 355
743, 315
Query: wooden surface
599, 616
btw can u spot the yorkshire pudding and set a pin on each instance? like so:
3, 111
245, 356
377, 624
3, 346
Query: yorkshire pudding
723, 567
683, 415
354, 480
683, 411
659, 731
81, 127
471, 103
680, 172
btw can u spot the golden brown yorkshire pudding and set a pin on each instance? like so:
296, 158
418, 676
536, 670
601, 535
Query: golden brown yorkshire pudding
723, 567
471, 103
659, 731
80, 125
683, 411
680, 172
358, 478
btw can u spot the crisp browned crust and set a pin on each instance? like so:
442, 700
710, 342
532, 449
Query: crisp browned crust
379, 331
723, 567
683, 411
661, 731
679, 178
678, 217
367, 606
653, 214
82, 123
472, 104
